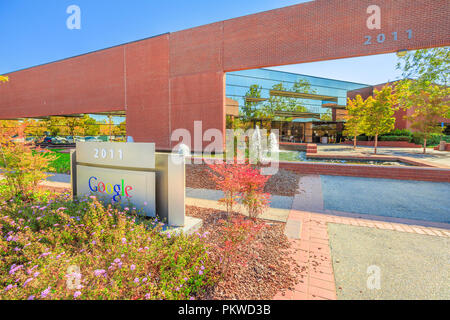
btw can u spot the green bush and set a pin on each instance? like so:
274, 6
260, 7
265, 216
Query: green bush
22, 167
395, 138
81, 249
362, 138
435, 139
399, 133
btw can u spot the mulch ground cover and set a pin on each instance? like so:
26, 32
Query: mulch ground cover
268, 269
284, 183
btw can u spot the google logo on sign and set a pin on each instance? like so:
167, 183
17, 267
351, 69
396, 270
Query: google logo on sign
118, 190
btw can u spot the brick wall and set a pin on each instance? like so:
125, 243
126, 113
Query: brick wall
397, 173
447, 147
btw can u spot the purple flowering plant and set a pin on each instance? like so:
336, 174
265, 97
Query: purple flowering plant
40, 242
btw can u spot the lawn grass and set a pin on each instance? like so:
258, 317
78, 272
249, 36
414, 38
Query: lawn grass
62, 162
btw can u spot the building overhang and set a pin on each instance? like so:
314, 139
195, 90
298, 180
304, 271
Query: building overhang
299, 115
333, 106
300, 95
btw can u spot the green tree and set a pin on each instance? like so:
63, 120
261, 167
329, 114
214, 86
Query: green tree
428, 65
430, 105
73, 125
249, 111
355, 119
328, 116
285, 103
53, 125
90, 126
379, 112
425, 89
120, 129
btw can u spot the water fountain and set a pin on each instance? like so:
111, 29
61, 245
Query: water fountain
184, 150
274, 145
256, 151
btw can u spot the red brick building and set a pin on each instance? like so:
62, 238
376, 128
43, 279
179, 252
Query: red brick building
171, 80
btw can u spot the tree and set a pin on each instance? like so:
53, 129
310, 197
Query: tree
428, 93
35, 128
428, 65
430, 105
256, 108
4, 79
379, 112
252, 102
90, 126
120, 129
53, 125
285, 103
73, 125
355, 119
328, 116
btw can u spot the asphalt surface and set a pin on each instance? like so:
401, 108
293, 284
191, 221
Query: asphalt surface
420, 200
411, 266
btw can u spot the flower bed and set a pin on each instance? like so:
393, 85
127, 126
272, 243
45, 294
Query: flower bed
260, 269
83, 250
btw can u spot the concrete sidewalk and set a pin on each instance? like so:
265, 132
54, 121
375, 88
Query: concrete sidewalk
412, 266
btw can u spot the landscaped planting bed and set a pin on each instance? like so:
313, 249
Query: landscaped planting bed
57, 248
64, 249
259, 270
53, 247
284, 183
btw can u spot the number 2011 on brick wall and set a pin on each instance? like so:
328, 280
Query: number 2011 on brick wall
382, 37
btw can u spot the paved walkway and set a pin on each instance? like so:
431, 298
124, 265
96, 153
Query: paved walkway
308, 233
311, 249
410, 266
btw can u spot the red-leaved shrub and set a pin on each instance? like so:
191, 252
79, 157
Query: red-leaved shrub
241, 182
237, 233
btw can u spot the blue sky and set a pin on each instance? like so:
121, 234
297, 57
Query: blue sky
34, 31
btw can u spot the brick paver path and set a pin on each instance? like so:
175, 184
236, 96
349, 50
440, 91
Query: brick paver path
312, 251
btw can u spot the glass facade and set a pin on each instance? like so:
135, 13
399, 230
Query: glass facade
239, 82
